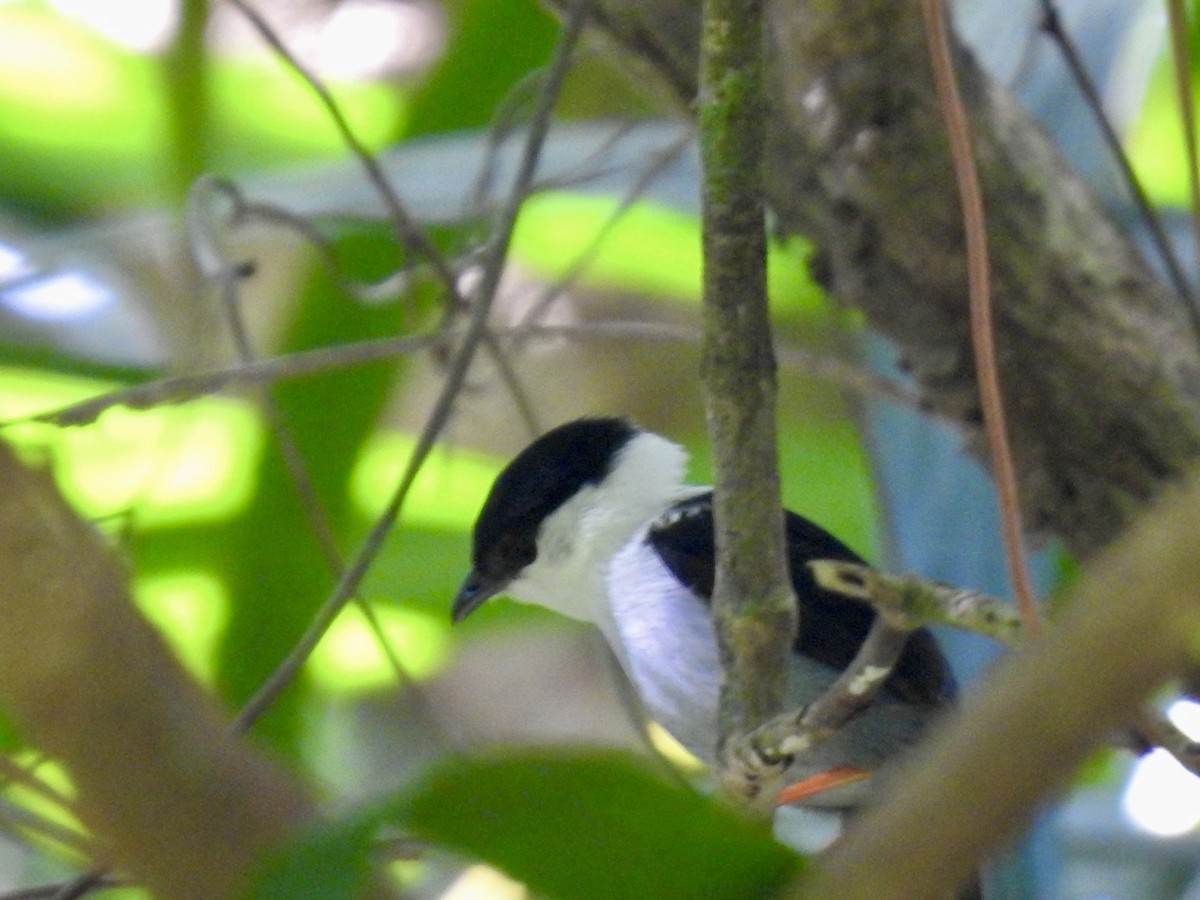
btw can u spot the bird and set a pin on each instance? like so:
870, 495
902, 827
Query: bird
594, 520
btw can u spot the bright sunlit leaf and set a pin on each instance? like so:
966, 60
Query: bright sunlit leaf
166, 465
297, 123
28, 392
447, 493
484, 883
1155, 143
653, 249
43, 805
190, 608
349, 656
84, 118
48, 65
143, 25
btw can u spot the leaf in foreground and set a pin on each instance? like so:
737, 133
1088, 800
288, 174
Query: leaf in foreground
573, 826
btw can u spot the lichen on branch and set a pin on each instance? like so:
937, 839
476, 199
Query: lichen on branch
753, 604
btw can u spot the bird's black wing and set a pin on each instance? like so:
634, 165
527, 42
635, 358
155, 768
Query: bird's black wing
832, 626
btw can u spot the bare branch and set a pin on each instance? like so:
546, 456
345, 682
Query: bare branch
909, 600
273, 370
754, 759
753, 605
71, 690
1018, 741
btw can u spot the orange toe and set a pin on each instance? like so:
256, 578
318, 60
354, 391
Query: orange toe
817, 784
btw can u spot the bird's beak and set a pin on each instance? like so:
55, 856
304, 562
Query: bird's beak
475, 591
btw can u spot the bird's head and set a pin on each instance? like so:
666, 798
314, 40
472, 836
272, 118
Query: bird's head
562, 507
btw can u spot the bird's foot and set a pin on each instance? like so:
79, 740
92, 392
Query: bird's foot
754, 764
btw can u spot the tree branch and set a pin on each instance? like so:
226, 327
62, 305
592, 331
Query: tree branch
777, 742
1087, 336
160, 777
754, 608
1019, 742
913, 601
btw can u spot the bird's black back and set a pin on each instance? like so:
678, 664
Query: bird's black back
832, 626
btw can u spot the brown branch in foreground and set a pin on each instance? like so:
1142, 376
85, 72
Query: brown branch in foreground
160, 777
985, 774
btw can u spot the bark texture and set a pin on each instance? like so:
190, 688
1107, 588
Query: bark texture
753, 604
1099, 364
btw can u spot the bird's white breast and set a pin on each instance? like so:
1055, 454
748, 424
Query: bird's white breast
665, 640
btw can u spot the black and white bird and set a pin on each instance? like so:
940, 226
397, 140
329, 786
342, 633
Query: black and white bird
594, 521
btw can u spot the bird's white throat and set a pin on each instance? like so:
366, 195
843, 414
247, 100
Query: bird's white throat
577, 541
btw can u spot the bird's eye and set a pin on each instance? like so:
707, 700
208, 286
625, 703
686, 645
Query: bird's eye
516, 551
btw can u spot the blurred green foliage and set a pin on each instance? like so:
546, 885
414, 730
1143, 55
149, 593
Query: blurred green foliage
88, 126
569, 825
228, 564
198, 495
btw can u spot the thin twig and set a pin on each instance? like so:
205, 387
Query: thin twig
228, 281
658, 164
407, 231
306, 363
1052, 26
365, 557
245, 211
914, 601
917, 601
982, 330
271, 370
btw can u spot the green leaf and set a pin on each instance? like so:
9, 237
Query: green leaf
589, 825
593, 826
326, 863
